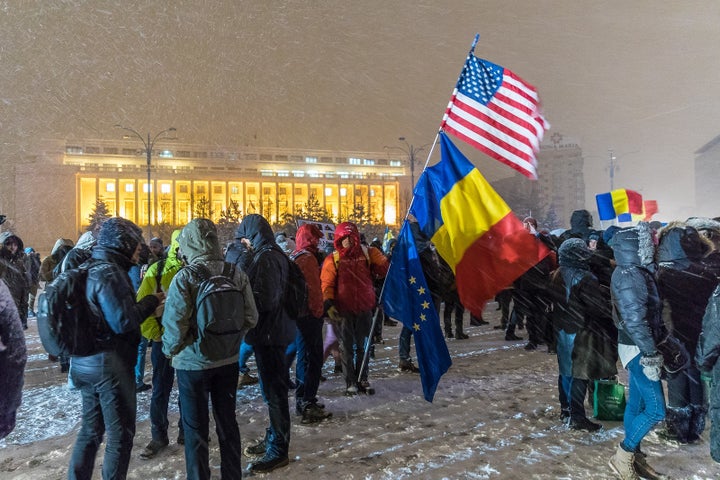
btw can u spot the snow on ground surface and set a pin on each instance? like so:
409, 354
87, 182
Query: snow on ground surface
495, 416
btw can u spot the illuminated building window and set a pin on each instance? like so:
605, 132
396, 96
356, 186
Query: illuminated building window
343, 192
367, 161
311, 159
283, 173
165, 154
354, 161
343, 174
314, 174
395, 163
165, 188
110, 187
267, 173
328, 191
298, 173
129, 188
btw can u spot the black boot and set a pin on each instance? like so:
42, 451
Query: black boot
697, 422
677, 424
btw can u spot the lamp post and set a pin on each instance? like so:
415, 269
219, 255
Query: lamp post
613, 166
410, 150
148, 144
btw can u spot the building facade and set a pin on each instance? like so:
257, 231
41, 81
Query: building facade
57, 190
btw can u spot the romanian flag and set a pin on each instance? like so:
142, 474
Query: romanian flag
651, 208
621, 204
472, 228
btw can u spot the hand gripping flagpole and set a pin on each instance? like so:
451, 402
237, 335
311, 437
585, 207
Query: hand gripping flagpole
407, 214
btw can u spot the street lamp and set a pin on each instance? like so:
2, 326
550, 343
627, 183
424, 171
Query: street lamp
148, 144
410, 151
613, 166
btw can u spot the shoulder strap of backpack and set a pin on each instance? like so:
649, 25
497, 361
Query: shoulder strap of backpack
336, 256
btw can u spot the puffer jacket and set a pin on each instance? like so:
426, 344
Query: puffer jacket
151, 328
13, 357
268, 269
199, 244
111, 295
307, 239
349, 284
13, 271
706, 357
637, 307
683, 282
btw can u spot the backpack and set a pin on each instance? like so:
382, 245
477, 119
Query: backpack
219, 308
295, 300
66, 323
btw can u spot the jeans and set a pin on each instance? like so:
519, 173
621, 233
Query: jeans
220, 386
246, 352
273, 375
309, 360
645, 406
565, 345
108, 405
353, 331
404, 344
162, 382
140, 365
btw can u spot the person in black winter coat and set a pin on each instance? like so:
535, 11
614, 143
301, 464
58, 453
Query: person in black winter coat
105, 379
13, 356
637, 312
706, 358
577, 314
13, 271
685, 287
267, 267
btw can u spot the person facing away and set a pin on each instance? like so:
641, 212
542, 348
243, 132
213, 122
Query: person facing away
156, 279
578, 313
637, 312
349, 299
685, 286
309, 338
706, 358
13, 357
13, 271
32, 266
268, 268
205, 374
61, 247
105, 379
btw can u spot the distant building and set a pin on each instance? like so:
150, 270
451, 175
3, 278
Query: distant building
559, 189
55, 191
707, 179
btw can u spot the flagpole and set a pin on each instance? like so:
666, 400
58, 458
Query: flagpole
407, 214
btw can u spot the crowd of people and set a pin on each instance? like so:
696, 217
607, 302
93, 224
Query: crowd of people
645, 298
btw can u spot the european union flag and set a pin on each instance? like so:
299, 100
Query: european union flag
406, 297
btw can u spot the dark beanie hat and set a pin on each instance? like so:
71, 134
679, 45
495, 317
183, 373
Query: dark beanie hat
120, 235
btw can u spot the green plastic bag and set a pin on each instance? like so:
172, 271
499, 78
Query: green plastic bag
609, 400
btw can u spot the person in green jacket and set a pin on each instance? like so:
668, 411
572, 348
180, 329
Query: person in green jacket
158, 278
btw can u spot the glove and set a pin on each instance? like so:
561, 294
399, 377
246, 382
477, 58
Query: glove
331, 311
652, 365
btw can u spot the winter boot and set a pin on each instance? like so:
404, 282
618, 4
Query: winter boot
697, 422
677, 424
622, 463
644, 470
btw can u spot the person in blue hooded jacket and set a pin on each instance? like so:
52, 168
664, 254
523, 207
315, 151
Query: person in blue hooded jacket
106, 379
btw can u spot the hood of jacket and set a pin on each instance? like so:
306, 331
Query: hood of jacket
581, 222
634, 246
172, 253
308, 237
86, 241
575, 253
60, 243
198, 241
5, 236
120, 235
348, 230
255, 228
681, 244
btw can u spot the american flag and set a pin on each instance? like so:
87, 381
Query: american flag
498, 113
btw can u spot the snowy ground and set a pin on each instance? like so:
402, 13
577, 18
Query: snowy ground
495, 415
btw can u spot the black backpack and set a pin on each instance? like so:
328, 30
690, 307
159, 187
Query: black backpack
295, 300
219, 312
66, 323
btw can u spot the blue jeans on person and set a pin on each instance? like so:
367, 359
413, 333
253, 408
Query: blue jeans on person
140, 365
220, 386
308, 367
565, 345
273, 375
162, 382
108, 406
404, 344
645, 406
246, 351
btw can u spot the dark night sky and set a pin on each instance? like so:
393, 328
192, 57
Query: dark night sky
639, 77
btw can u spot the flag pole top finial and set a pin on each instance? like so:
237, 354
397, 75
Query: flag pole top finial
474, 43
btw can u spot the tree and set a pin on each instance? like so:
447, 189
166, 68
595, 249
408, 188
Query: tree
202, 208
98, 215
312, 210
228, 222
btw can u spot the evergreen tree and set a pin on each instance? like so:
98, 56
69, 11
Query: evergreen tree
202, 208
99, 214
228, 222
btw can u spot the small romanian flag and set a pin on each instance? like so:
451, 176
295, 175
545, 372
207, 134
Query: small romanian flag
473, 228
621, 204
